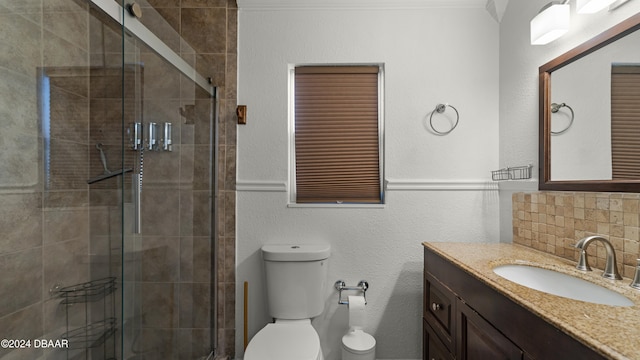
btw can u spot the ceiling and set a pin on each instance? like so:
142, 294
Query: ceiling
364, 4
495, 8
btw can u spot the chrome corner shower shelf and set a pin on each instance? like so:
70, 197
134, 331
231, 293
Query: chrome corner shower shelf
99, 298
92, 335
88, 292
512, 173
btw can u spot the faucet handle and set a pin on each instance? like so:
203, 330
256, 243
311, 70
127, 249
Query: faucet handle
583, 264
636, 278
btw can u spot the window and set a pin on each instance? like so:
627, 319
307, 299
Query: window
337, 134
625, 121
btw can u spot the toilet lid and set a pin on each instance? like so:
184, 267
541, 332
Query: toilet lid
284, 342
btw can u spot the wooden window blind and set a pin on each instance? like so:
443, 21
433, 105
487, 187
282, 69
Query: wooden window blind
625, 122
337, 142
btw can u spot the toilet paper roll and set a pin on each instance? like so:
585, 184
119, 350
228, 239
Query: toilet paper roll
357, 312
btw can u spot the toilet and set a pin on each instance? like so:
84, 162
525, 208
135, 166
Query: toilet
296, 276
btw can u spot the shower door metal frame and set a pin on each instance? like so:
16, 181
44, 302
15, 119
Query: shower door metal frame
133, 25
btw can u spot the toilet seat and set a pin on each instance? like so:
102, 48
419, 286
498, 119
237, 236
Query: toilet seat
285, 340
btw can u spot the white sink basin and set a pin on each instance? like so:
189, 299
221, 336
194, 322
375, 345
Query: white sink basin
559, 284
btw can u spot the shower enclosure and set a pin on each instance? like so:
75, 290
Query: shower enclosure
108, 185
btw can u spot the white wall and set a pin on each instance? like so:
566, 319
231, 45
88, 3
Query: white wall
519, 62
442, 188
585, 85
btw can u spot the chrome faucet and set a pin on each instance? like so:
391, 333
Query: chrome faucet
636, 278
610, 268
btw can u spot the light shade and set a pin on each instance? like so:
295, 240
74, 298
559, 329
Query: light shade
592, 6
550, 23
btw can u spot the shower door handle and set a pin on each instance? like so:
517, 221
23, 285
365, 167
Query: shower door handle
137, 190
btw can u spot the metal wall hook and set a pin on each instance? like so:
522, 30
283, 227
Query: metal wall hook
440, 108
554, 109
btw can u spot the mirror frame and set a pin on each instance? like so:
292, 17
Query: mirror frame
544, 113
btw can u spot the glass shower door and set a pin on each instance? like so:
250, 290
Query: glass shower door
107, 185
169, 201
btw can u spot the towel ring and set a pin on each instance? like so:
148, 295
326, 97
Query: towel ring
554, 109
440, 108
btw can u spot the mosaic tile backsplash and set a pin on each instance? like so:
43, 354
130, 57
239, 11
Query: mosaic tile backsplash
553, 221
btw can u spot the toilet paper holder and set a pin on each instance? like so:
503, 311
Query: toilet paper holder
340, 285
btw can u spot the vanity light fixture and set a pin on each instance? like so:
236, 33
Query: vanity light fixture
592, 6
551, 22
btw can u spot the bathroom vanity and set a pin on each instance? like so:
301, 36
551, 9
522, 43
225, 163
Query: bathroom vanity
469, 312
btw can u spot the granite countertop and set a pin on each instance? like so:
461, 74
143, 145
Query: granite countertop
613, 331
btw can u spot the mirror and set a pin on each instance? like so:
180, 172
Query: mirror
588, 112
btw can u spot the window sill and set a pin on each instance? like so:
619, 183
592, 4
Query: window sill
338, 206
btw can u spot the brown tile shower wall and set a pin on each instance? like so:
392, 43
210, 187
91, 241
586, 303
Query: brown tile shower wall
554, 221
209, 31
51, 224
44, 216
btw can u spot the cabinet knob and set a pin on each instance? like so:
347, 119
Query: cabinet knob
436, 306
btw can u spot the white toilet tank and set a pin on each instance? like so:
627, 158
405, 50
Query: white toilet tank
296, 276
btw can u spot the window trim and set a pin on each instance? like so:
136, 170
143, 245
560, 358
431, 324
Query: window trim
292, 152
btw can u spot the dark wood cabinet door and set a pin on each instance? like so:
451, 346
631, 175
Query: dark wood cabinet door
479, 340
439, 310
434, 349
